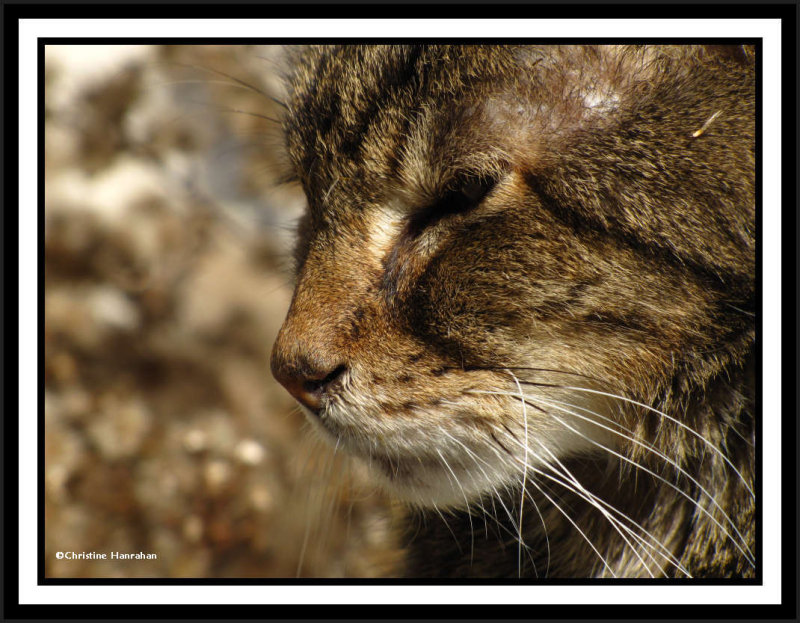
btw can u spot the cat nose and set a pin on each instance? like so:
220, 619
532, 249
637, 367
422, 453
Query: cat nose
306, 377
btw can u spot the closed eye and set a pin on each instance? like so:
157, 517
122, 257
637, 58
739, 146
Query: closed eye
468, 195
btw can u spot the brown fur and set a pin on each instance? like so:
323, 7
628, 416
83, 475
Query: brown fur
486, 218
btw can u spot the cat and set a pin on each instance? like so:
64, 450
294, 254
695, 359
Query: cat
526, 299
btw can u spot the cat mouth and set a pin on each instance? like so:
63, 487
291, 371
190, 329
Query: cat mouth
322, 421
423, 480
396, 469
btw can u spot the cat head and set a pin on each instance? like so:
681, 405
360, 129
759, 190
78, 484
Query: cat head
507, 247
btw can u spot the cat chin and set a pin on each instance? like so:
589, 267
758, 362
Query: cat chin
432, 488
420, 474
442, 484
435, 482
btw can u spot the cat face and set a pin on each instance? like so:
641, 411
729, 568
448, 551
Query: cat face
506, 248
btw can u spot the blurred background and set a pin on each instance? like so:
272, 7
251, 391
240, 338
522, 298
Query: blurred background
167, 276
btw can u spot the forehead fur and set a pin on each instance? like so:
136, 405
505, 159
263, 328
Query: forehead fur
368, 124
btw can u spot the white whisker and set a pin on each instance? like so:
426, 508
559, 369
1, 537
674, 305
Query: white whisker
657, 453
469, 515
519, 538
747, 554
583, 492
455, 538
710, 445
571, 521
589, 498
525, 472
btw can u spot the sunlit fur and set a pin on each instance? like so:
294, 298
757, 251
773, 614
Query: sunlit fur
536, 266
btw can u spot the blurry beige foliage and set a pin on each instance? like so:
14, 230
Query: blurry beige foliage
166, 280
